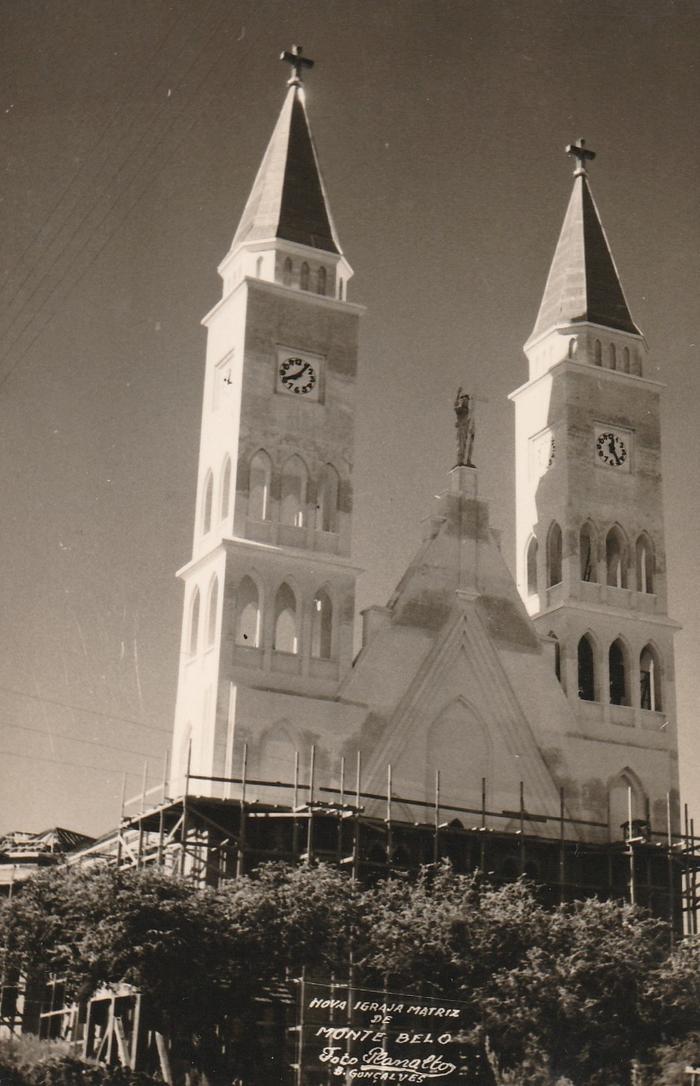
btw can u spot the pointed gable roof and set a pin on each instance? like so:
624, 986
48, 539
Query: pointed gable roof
288, 199
583, 284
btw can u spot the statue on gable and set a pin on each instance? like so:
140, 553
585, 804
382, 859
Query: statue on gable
464, 410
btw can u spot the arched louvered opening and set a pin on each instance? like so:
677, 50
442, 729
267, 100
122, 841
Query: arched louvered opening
207, 503
531, 563
213, 611
587, 553
650, 679
586, 669
294, 484
618, 673
322, 626
616, 558
304, 276
226, 488
644, 564
554, 544
287, 272
321, 280
259, 486
285, 636
598, 353
193, 636
327, 503
248, 614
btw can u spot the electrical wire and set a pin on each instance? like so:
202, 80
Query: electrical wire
82, 709
75, 739
75, 765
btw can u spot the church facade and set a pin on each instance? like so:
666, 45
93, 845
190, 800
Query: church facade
546, 706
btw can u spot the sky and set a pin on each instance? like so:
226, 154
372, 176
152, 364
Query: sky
130, 134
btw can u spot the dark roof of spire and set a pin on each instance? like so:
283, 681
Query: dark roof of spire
288, 199
583, 284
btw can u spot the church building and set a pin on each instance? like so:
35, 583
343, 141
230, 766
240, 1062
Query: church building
553, 696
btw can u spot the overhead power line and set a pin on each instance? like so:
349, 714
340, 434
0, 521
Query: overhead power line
75, 765
76, 739
82, 709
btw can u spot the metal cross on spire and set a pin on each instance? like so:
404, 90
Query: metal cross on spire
297, 62
580, 152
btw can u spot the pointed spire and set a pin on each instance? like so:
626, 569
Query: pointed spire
288, 199
583, 283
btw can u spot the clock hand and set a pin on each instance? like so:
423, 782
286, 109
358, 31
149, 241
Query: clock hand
295, 376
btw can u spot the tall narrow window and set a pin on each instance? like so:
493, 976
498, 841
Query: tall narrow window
212, 611
248, 614
598, 353
532, 567
294, 481
259, 267
586, 669
322, 278
259, 487
327, 503
645, 564
650, 680
557, 655
193, 640
587, 553
625, 792
626, 359
572, 347
554, 555
321, 626
616, 558
207, 503
285, 639
304, 276
287, 273
618, 674
226, 488
340, 289
613, 356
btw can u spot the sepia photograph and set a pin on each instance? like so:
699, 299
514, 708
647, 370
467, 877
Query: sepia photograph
350, 624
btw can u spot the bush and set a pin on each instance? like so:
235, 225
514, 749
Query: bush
64, 1070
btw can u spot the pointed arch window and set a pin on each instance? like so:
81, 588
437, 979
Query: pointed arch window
193, 636
557, 655
259, 267
259, 486
650, 679
554, 555
327, 503
645, 564
226, 488
625, 797
322, 626
321, 280
586, 669
625, 359
287, 272
617, 664
285, 637
304, 276
207, 503
587, 553
612, 354
531, 563
616, 558
212, 611
340, 288
598, 353
248, 614
294, 486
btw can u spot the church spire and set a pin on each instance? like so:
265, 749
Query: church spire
583, 284
288, 200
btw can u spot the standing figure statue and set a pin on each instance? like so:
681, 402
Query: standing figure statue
465, 428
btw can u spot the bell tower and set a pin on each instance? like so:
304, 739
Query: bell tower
269, 591
591, 557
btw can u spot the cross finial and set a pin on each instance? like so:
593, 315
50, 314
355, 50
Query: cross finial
297, 62
580, 152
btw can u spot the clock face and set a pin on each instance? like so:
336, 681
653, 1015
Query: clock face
297, 375
611, 449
